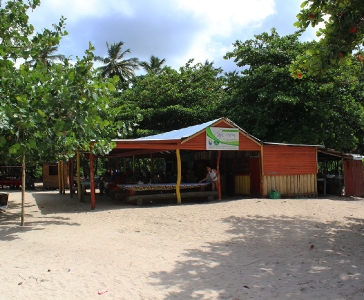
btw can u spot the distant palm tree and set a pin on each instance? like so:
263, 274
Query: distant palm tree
153, 65
46, 56
114, 64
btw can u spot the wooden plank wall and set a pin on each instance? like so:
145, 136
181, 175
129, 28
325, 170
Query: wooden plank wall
242, 184
51, 181
291, 185
353, 171
288, 160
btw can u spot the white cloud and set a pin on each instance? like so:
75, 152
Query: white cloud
74, 10
222, 19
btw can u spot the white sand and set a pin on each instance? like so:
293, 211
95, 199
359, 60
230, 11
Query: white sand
236, 249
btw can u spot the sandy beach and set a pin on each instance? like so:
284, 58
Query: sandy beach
233, 249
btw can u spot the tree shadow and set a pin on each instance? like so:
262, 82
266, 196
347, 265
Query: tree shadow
272, 258
10, 220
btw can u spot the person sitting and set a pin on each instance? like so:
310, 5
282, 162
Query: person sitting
159, 178
190, 176
104, 179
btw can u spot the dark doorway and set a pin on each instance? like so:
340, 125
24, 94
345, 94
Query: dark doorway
255, 176
230, 180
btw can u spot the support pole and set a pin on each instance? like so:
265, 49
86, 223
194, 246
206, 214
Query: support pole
78, 165
62, 179
70, 176
59, 177
151, 167
133, 167
218, 175
22, 190
92, 182
262, 170
179, 173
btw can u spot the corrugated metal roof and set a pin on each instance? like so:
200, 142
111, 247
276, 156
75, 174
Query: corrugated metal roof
180, 133
297, 145
190, 131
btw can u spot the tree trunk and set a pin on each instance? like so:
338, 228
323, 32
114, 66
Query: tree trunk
22, 189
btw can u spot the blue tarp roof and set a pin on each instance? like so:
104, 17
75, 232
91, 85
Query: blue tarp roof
180, 133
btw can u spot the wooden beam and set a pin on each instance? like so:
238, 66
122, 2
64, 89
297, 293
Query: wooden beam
133, 166
70, 176
179, 173
151, 167
218, 175
59, 177
262, 175
92, 182
136, 152
167, 145
78, 166
63, 191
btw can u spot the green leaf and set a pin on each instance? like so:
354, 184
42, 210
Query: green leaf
32, 143
2, 140
41, 113
14, 148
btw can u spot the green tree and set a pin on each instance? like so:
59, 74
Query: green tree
270, 104
154, 64
48, 112
116, 65
174, 99
46, 56
341, 36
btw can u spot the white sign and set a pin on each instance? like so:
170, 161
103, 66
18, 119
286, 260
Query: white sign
218, 138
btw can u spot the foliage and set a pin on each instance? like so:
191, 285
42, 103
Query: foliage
154, 65
175, 99
343, 33
48, 111
270, 104
46, 56
116, 65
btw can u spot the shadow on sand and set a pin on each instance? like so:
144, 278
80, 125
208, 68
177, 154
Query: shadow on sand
272, 258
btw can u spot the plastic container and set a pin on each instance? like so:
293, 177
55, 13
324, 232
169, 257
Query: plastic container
274, 195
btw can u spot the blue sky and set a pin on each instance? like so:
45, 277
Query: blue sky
176, 30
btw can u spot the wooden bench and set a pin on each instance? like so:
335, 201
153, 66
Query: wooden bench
209, 195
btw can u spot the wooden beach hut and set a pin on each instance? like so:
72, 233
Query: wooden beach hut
55, 175
246, 165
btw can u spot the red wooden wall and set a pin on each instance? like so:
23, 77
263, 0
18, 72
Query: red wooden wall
289, 160
353, 172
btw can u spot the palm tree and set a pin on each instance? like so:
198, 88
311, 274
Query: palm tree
114, 64
46, 56
154, 64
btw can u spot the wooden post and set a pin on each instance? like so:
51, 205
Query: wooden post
78, 165
262, 170
151, 167
70, 176
63, 179
133, 167
179, 173
92, 182
22, 190
59, 177
218, 175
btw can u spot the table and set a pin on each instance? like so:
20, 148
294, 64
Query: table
10, 182
132, 189
161, 186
